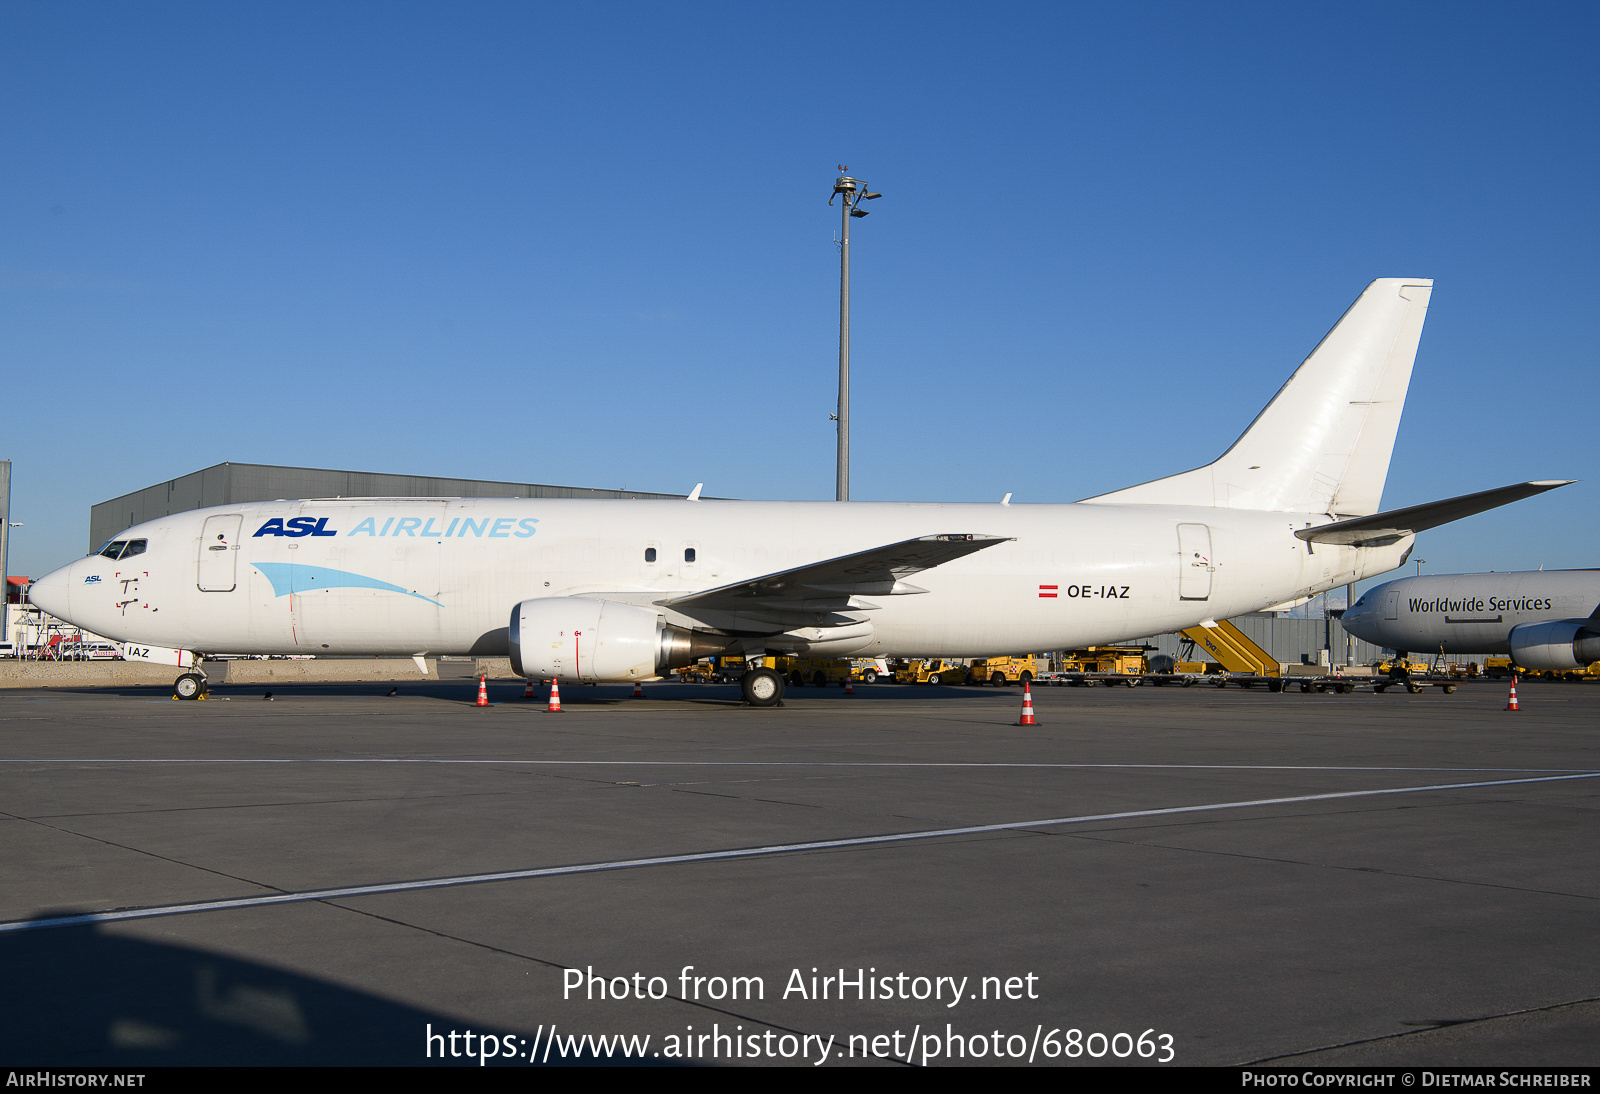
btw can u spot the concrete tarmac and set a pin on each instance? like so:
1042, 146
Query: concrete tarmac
1196, 876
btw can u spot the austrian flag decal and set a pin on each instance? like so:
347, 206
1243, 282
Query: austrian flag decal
1048, 590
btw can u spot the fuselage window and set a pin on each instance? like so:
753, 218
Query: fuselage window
688, 554
649, 554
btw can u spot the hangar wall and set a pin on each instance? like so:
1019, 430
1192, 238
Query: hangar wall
238, 483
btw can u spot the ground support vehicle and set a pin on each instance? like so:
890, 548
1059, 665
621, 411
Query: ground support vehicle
1092, 665
1001, 671
1415, 684
1393, 665
731, 669
938, 670
701, 672
1501, 668
821, 671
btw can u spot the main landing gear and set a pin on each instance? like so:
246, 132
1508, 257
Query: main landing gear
762, 688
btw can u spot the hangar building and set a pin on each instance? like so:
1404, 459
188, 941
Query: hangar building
238, 483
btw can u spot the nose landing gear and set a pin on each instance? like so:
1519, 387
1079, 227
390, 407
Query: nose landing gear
191, 685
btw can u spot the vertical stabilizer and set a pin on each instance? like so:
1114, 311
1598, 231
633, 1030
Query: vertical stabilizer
1323, 443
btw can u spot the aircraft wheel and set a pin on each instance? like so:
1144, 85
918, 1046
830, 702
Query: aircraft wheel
191, 685
762, 688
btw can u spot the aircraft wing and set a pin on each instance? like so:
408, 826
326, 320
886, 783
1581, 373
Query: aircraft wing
1384, 528
814, 594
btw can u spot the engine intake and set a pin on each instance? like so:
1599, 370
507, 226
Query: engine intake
593, 641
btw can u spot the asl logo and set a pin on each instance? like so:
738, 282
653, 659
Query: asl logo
299, 526
92, 579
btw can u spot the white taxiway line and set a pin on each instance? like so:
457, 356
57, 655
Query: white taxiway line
820, 763
735, 853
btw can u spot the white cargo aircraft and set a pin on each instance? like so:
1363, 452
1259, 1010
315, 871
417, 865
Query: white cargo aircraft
1545, 619
592, 591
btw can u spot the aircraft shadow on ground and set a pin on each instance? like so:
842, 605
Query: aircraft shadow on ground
77, 996
464, 691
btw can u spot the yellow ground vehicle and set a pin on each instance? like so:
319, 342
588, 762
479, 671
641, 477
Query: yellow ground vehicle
1412, 667
1001, 671
1498, 668
701, 672
937, 670
1113, 660
821, 671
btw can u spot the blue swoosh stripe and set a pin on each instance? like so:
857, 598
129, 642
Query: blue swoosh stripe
291, 577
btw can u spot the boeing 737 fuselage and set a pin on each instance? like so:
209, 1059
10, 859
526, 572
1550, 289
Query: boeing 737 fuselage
590, 591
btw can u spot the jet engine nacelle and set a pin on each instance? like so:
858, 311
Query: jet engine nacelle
592, 641
1563, 645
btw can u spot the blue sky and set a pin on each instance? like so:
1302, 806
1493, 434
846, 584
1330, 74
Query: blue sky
590, 244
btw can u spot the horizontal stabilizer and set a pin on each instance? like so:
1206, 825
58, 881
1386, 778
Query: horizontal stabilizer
829, 585
1381, 529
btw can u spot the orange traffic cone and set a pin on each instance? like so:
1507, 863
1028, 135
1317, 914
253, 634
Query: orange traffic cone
555, 698
527, 692
1027, 706
1511, 704
483, 690
849, 689
638, 690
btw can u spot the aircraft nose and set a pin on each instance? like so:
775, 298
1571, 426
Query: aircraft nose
50, 592
1355, 621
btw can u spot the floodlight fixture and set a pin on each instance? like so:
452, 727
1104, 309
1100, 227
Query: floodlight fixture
851, 193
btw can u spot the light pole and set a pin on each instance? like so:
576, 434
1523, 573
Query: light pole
853, 192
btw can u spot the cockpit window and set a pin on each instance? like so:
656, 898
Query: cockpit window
124, 548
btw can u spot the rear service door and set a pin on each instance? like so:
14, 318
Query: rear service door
219, 553
1194, 562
